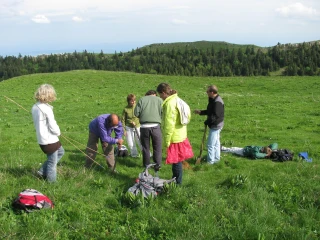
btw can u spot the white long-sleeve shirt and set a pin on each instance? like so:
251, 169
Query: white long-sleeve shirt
46, 126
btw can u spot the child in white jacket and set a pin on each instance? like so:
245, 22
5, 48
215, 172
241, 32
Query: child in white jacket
47, 131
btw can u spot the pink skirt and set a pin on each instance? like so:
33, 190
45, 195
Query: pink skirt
178, 152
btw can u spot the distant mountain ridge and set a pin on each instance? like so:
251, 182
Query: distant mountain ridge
203, 45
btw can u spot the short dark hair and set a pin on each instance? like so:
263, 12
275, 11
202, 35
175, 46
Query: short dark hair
151, 92
213, 88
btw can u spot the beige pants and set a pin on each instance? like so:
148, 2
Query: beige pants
92, 147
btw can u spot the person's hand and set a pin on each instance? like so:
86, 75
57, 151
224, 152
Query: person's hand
120, 141
197, 111
133, 123
125, 133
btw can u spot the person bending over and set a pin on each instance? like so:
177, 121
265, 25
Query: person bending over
101, 129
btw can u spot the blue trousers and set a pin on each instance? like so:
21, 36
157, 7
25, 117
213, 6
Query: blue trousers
49, 167
213, 146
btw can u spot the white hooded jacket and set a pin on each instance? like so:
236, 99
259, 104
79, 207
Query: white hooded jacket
46, 126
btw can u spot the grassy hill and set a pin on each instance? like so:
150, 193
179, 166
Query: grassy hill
235, 199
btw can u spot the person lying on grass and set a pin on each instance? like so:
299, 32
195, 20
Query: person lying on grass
253, 152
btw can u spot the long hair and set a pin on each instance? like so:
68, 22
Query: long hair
165, 88
45, 94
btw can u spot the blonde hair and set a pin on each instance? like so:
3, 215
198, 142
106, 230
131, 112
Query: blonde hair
45, 94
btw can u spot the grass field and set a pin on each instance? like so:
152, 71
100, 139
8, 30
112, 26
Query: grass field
235, 199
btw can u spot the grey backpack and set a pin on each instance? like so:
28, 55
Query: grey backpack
148, 185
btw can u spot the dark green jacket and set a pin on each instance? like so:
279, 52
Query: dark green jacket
149, 109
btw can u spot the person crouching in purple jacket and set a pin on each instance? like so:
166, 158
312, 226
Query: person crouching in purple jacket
101, 128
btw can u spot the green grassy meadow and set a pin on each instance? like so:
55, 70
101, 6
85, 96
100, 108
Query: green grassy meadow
235, 199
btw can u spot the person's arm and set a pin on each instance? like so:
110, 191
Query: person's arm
200, 112
52, 124
169, 113
137, 109
203, 112
118, 131
123, 121
260, 155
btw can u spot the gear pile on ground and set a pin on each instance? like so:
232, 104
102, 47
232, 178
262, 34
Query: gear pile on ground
148, 185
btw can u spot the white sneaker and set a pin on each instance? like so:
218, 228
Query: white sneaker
135, 156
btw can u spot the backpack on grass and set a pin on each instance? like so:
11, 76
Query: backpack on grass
31, 199
281, 155
122, 152
147, 185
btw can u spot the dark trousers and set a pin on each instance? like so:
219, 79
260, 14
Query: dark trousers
177, 172
154, 134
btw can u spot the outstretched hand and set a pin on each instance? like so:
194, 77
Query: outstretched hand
197, 111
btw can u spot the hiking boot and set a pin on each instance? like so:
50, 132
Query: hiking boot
157, 167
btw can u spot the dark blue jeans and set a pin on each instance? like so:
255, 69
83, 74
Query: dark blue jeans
154, 134
177, 172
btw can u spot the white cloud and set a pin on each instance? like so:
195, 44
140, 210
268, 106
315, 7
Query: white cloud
180, 7
40, 19
178, 22
297, 10
77, 19
260, 22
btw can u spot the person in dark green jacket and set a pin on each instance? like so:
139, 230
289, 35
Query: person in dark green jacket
149, 111
253, 152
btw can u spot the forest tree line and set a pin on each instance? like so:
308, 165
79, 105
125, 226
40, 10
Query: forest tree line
295, 60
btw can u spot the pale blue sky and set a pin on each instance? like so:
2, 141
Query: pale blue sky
32, 27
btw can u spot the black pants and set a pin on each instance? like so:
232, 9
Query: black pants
177, 172
154, 134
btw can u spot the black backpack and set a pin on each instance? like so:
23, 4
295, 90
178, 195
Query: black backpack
281, 155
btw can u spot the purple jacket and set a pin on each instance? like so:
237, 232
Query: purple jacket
99, 127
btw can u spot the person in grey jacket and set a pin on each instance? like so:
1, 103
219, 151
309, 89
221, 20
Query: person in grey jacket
149, 110
215, 121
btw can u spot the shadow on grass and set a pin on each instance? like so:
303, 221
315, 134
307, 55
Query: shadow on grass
18, 172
